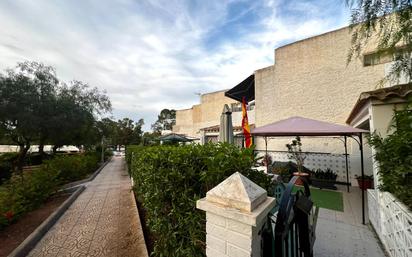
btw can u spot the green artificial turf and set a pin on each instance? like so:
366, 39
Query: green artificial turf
325, 198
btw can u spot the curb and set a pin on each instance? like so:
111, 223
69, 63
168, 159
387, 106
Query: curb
138, 217
70, 187
30, 242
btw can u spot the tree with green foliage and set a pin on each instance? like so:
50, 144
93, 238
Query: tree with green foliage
122, 132
74, 117
129, 132
25, 95
391, 23
165, 120
35, 107
151, 138
394, 156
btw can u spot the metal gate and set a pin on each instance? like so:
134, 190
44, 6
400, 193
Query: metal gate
290, 231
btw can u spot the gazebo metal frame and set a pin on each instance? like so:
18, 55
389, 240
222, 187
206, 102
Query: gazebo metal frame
298, 126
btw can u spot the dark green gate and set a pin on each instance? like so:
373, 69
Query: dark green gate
290, 230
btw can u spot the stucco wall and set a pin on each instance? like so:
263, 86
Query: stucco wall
184, 122
311, 78
205, 114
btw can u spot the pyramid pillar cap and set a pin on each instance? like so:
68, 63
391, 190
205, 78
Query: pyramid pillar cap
237, 192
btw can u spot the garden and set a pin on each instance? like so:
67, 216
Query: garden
168, 182
25, 191
393, 154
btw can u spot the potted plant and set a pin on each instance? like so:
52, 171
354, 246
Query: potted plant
324, 179
366, 182
267, 160
296, 154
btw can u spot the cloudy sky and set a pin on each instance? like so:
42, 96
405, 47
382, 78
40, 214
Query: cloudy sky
155, 54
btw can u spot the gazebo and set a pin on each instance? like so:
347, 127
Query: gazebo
299, 126
173, 137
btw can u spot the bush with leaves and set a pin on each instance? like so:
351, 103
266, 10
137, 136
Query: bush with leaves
28, 190
6, 165
168, 182
25, 192
327, 174
130, 150
73, 167
394, 156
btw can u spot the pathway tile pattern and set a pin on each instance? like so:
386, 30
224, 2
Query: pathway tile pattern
103, 221
342, 234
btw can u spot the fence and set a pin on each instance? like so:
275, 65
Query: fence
335, 162
392, 222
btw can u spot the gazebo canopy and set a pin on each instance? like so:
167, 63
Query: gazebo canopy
173, 137
299, 126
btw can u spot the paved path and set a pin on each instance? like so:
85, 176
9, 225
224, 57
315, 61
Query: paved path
103, 221
341, 234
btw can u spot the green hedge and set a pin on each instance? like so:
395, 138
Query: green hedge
168, 182
27, 191
6, 165
394, 156
72, 167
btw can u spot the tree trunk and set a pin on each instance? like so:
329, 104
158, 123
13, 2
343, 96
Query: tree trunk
41, 149
42, 139
55, 149
22, 155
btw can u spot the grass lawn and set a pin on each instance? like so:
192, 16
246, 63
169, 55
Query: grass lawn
325, 198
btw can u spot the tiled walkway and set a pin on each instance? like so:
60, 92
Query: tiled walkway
103, 221
341, 234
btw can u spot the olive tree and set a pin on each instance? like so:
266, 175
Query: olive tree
35, 107
27, 97
390, 22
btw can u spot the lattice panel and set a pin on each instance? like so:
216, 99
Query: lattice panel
393, 223
373, 211
313, 161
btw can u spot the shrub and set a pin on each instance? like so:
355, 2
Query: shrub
394, 157
6, 165
26, 191
327, 174
72, 167
168, 182
98, 153
130, 149
286, 170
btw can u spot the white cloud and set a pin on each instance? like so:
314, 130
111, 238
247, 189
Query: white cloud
154, 54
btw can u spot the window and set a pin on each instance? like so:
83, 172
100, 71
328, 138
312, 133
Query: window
237, 107
377, 58
382, 57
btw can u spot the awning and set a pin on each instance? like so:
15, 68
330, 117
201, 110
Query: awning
246, 89
299, 126
173, 137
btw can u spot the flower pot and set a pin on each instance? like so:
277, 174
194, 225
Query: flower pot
364, 184
299, 181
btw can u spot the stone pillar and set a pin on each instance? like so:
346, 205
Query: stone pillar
236, 212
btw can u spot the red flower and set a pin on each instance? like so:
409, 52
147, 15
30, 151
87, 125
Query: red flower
9, 215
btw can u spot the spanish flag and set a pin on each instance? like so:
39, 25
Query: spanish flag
245, 125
